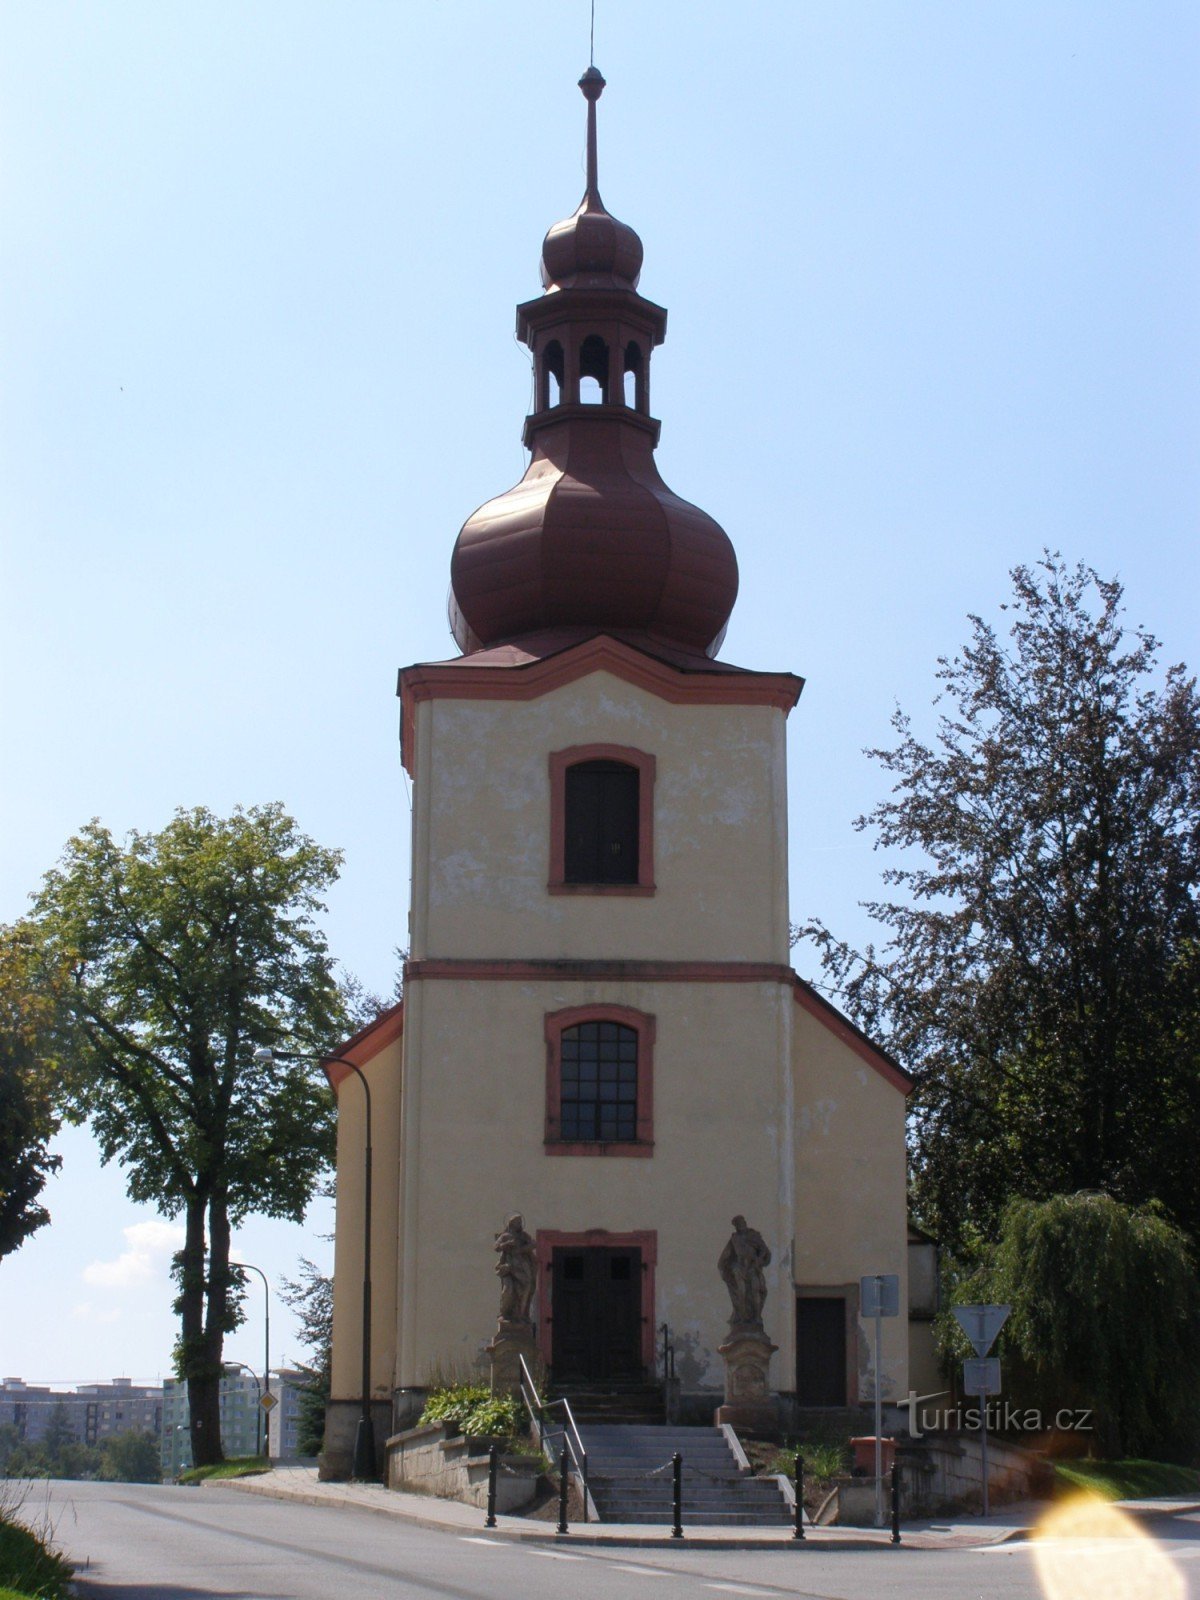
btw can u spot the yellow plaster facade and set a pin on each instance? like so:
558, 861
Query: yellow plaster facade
765, 1102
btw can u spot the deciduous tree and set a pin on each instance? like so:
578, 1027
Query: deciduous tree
1041, 974
27, 1116
185, 951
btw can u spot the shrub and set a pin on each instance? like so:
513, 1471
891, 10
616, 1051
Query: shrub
475, 1410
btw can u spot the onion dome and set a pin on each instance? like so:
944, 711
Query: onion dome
592, 540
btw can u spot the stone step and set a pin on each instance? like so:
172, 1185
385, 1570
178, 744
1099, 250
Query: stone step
710, 1519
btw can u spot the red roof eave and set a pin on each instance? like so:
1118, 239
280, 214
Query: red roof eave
842, 1028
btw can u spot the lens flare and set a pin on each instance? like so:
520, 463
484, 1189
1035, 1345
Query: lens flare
1085, 1549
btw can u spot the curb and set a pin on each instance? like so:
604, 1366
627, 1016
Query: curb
864, 1539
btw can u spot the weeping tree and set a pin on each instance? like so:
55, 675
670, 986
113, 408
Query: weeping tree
173, 956
1105, 1320
1039, 965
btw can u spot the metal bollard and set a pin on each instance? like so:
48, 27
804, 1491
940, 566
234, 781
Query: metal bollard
798, 1531
677, 1495
562, 1492
493, 1470
896, 1503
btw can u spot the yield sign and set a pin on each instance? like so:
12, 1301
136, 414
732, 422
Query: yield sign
981, 1324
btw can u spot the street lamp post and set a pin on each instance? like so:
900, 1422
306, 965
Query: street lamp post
245, 1266
364, 1437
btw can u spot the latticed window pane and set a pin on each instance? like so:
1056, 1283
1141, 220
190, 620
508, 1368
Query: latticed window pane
599, 1082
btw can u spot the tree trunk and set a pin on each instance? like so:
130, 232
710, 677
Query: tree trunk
203, 1379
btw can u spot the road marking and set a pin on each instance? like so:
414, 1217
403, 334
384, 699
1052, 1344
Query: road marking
556, 1555
739, 1588
645, 1572
472, 1538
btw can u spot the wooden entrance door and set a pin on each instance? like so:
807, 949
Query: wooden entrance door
821, 1350
597, 1314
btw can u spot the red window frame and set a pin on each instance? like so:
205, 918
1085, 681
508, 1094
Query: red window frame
560, 760
643, 1024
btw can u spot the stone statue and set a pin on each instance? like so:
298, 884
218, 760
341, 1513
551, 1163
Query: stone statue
517, 1271
741, 1265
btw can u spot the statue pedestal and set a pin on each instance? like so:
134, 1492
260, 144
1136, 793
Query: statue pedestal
511, 1341
748, 1404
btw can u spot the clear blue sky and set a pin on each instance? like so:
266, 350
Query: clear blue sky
931, 278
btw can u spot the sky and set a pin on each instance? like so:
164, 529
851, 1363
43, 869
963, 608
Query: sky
930, 275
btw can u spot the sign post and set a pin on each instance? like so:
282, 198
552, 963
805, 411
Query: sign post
879, 1294
981, 1377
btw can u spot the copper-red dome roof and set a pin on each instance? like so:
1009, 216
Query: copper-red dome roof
586, 540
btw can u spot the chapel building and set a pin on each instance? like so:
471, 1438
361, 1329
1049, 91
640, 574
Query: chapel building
601, 1032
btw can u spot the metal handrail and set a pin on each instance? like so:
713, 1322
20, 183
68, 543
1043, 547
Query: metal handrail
668, 1354
571, 1436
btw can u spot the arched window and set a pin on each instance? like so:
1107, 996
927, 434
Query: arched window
635, 377
601, 820
599, 1081
550, 376
593, 371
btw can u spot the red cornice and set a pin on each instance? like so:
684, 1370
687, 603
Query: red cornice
500, 971
468, 970
367, 1043
842, 1028
601, 653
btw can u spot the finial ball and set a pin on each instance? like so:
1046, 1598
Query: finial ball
592, 83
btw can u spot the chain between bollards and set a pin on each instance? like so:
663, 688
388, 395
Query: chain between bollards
562, 1492
677, 1495
493, 1469
896, 1503
798, 1531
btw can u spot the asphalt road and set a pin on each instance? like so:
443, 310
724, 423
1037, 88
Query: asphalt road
165, 1543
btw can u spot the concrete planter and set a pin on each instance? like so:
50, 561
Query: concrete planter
437, 1459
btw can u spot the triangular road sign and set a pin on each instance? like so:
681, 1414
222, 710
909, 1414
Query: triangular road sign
981, 1324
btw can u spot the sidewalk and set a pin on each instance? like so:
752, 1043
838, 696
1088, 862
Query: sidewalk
451, 1516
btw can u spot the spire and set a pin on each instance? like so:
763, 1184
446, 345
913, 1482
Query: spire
592, 84
592, 540
591, 248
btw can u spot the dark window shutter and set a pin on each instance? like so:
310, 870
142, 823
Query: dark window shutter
601, 820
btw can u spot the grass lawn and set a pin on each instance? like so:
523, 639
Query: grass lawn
1128, 1480
237, 1467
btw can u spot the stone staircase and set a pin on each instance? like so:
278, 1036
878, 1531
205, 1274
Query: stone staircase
626, 1487
640, 1404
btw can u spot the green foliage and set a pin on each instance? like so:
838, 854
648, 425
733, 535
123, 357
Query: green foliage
476, 1411
235, 1467
130, 1458
184, 952
121, 1458
1105, 1317
311, 1299
29, 1565
27, 1116
1129, 1480
1042, 970
823, 1459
